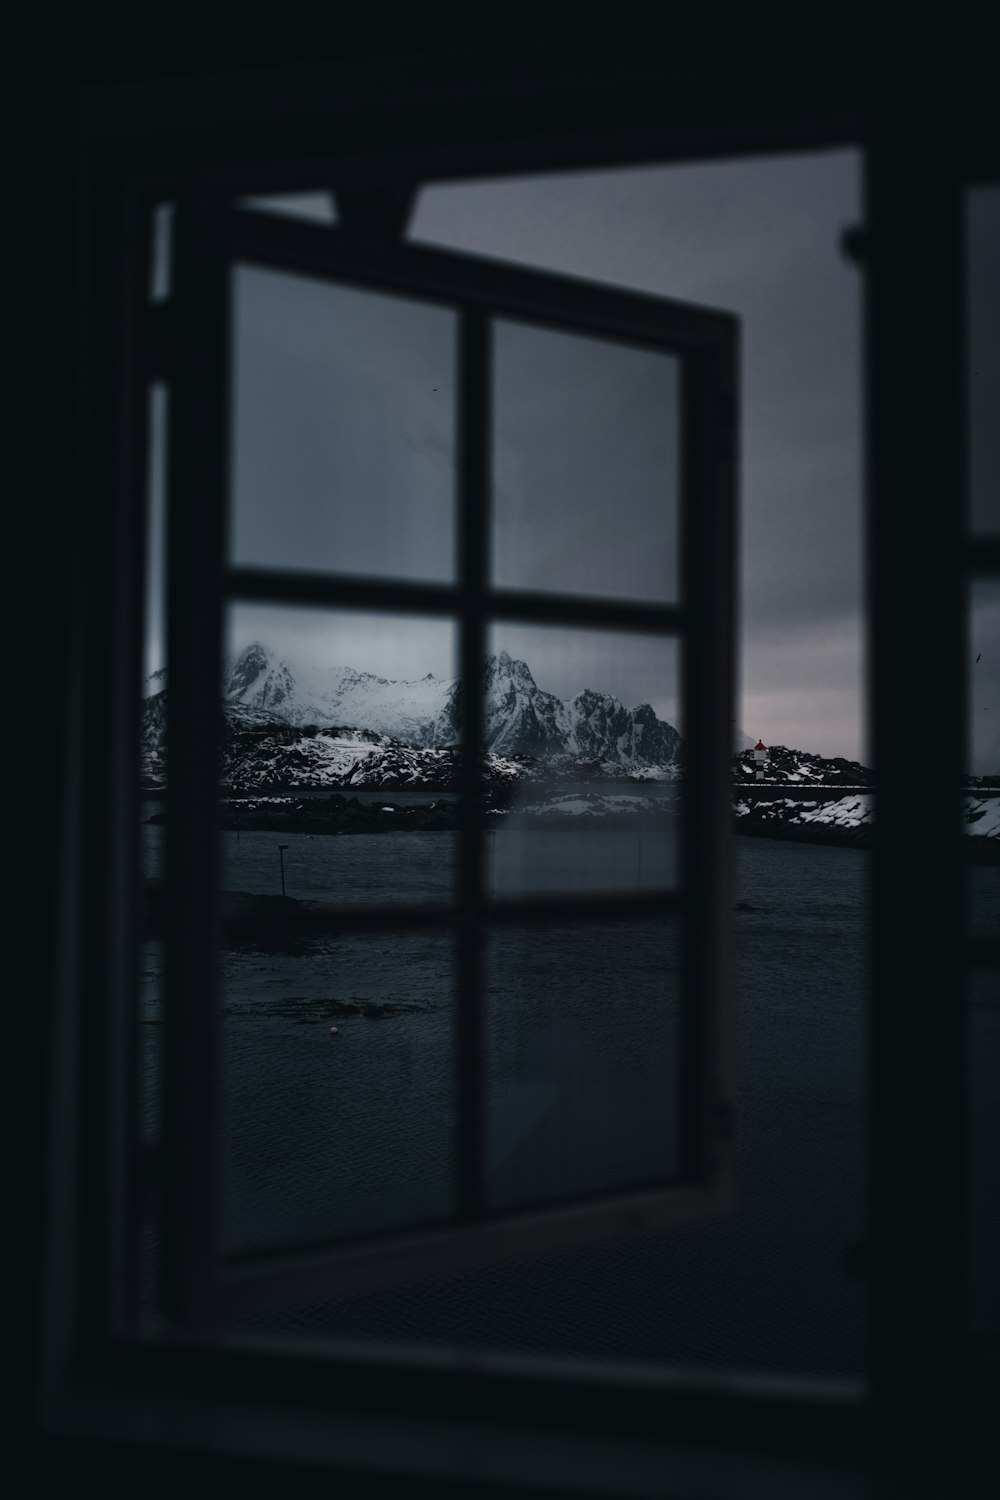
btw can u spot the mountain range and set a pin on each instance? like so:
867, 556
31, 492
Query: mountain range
520, 718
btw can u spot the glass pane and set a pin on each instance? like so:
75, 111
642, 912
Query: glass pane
337, 1087
585, 465
582, 1075
318, 208
588, 760
983, 312
984, 1153
338, 723
343, 429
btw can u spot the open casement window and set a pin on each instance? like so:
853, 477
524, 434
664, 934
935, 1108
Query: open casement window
675, 1168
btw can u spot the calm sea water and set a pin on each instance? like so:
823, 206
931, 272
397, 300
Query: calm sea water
328, 1133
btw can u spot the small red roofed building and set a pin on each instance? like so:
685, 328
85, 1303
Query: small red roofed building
759, 760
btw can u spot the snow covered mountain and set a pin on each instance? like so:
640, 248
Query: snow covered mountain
519, 717
415, 712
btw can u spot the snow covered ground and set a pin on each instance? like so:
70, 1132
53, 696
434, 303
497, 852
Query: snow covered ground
981, 816
857, 812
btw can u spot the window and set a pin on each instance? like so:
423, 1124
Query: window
505, 339
767, 88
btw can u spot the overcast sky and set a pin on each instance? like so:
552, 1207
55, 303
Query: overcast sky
344, 437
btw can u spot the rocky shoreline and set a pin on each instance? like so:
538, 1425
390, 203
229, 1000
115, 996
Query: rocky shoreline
815, 815
821, 816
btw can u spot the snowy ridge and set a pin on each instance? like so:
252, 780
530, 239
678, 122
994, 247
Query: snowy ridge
852, 812
408, 711
853, 815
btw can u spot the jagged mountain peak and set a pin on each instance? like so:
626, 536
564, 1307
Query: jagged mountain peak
504, 666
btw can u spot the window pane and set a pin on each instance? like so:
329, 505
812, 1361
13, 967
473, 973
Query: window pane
983, 310
585, 465
582, 1071
585, 727
337, 1087
343, 429
340, 762
341, 743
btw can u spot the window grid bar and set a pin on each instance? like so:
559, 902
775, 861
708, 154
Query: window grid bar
110, 1040
708, 458
534, 911
529, 911
336, 590
473, 543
